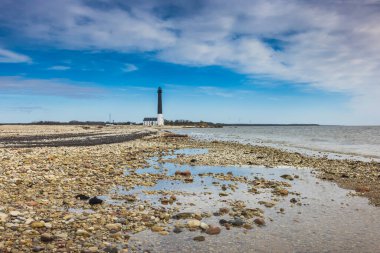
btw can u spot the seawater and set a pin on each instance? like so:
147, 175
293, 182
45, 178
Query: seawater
355, 142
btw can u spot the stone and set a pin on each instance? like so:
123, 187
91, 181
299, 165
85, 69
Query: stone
287, 176
92, 250
157, 228
259, 221
186, 215
15, 213
237, 222
247, 226
38, 249
163, 232
177, 230
3, 217
114, 226
37, 224
82, 197
95, 201
185, 173
47, 237
199, 238
82, 232
193, 223
213, 230
293, 200
223, 222
204, 226
111, 249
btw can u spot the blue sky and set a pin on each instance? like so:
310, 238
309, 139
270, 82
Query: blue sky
251, 62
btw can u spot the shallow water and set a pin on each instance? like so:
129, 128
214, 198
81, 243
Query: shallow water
339, 142
327, 220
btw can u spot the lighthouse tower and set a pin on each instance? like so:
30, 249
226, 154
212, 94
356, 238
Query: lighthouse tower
160, 116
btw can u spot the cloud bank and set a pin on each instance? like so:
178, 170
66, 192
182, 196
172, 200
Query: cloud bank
328, 45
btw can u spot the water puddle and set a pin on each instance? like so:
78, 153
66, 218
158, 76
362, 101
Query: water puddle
302, 213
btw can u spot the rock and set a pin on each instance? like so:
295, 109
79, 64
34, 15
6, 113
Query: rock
92, 250
204, 226
287, 176
95, 201
282, 192
183, 216
223, 222
223, 210
185, 173
212, 230
114, 226
163, 232
259, 221
199, 238
47, 237
177, 230
38, 249
293, 200
193, 160
237, 222
82, 197
37, 224
193, 223
111, 249
247, 226
157, 228
15, 213
3, 217
82, 232
267, 204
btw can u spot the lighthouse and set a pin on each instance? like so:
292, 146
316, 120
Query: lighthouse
160, 116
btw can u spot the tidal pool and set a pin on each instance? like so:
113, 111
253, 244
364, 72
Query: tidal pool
325, 218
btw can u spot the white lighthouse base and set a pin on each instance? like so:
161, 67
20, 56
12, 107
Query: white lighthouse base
160, 119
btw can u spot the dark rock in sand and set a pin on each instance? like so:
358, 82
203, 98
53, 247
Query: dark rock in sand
110, 249
193, 160
47, 237
177, 230
293, 200
259, 221
95, 201
199, 238
185, 173
287, 176
237, 222
185, 215
82, 197
223, 222
212, 230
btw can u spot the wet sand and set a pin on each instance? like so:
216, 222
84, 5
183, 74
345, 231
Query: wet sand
161, 191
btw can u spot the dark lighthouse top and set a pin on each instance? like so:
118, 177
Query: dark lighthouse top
159, 108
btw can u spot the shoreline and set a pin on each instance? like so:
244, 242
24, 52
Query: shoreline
40, 209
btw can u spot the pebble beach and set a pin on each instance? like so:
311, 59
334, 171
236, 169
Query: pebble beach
144, 189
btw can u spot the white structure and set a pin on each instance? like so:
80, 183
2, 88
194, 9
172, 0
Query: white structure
159, 121
150, 122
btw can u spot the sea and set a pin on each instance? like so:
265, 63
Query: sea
335, 142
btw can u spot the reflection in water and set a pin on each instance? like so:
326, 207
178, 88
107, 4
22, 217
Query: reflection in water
324, 219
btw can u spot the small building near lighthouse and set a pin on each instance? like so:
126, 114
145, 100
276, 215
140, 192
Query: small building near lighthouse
159, 120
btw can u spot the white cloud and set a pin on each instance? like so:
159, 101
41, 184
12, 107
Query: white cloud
329, 45
7, 56
129, 67
59, 67
48, 87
